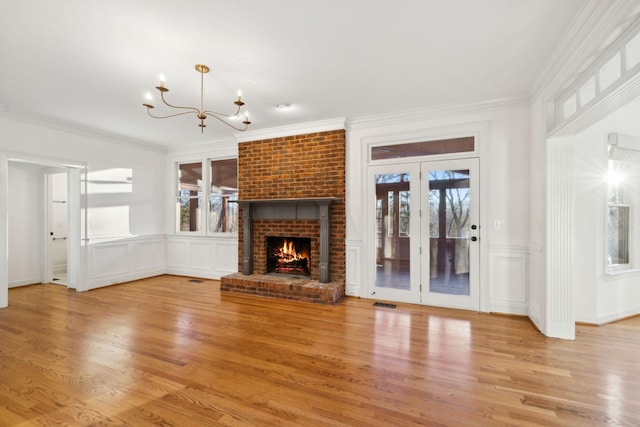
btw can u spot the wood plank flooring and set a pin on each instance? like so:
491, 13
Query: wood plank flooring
167, 351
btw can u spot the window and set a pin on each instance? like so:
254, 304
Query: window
618, 236
610, 72
405, 216
623, 197
223, 209
632, 52
618, 217
569, 107
189, 196
587, 91
221, 215
425, 148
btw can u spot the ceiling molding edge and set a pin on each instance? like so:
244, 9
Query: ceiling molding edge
219, 146
291, 130
17, 114
589, 30
439, 111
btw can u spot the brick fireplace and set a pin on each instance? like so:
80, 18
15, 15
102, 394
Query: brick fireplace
292, 187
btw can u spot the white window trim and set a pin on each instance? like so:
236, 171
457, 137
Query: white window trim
204, 202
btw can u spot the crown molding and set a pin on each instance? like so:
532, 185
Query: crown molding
292, 130
588, 33
17, 114
439, 111
213, 146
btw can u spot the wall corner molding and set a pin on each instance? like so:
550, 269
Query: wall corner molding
19, 115
434, 112
292, 130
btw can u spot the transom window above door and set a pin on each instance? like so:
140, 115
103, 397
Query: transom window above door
424, 148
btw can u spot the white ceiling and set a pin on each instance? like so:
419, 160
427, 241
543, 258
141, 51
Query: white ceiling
90, 62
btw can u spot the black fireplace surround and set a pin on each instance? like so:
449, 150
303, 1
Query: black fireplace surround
282, 209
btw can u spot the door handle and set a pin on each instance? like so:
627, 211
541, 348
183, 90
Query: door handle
59, 238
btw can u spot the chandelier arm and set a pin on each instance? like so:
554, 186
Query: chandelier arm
191, 109
215, 113
171, 115
209, 113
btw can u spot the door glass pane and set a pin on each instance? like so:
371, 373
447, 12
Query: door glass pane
223, 211
189, 196
425, 148
449, 226
392, 231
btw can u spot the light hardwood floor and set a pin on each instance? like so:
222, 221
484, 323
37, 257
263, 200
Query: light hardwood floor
167, 351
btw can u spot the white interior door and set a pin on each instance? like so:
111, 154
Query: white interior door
58, 226
424, 224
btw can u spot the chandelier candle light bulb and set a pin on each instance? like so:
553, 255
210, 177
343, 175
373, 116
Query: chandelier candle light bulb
200, 113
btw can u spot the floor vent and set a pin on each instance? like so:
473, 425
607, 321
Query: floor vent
384, 304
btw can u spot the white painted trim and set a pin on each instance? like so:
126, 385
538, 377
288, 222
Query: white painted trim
298, 129
595, 23
4, 231
590, 69
17, 114
617, 95
517, 256
125, 268
560, 319
353, 281
608, 318
422, 114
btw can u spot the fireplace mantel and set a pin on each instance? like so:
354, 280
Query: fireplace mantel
279, 209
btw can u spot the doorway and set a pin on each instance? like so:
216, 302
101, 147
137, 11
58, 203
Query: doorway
25, 234
426, 231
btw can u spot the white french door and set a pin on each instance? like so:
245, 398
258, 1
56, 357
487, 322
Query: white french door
424, 223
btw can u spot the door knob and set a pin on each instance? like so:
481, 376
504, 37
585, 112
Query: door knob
474, 238
473, 227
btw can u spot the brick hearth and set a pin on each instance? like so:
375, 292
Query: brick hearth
285, 287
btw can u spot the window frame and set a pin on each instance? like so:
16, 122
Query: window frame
206, 194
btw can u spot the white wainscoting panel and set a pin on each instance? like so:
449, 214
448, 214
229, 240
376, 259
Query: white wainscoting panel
227, 256
150, 255
536, 288
177, 252
109, 259
508, 279
200, 255
353, 283
208, 257
126, 259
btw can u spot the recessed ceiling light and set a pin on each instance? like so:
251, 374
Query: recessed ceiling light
283, 107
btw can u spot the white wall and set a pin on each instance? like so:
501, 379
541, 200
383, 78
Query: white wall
202, 254
504, 187
125, 196
600, 297
25, 212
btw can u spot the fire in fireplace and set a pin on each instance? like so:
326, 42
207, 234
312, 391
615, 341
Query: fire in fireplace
289, 255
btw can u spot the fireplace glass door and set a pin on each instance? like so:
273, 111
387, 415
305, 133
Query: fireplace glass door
289, 255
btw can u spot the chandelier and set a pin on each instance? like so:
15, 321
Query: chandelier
201, 113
